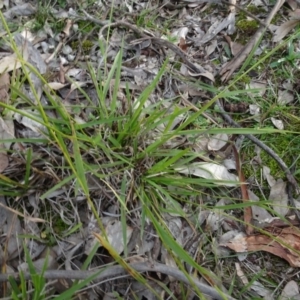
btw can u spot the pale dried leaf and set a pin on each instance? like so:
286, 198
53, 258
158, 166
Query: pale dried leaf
284, 29
114, 234
231, 21
7, 131
279, 197
56, 85
241, 274
235, 48
47, 261
295, 14
217, 142
28, 35
290, 290
211, 47
277, 123
254, 110
221, 249
217, 27
175, 227
259, 213
202, 216
210, 171
229, 164
215, 217
35, 126
180, 33
257, 85
25, 9
292, 4
284, 97
205, 74
267, 175
260, 289
10, 230
33, 56
238, 243
9, 63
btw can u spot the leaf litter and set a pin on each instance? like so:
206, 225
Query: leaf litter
32, 169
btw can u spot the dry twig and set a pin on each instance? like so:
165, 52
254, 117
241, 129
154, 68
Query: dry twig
230, 67
115, 271
263, 146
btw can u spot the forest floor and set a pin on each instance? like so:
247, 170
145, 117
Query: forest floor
149, 149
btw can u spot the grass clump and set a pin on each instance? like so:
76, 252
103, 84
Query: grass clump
117, 155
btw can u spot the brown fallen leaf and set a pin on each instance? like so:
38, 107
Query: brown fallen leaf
245, 195
182, 44
284, 29
284, 243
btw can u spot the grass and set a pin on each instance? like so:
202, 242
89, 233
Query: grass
127, 152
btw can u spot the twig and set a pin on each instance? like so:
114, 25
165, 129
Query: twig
263, 146
92, 19
290, 194
118, 270
230, 67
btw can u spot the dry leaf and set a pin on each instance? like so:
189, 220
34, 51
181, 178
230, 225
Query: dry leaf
281, 245
284, 97
290, 290
210, 171
277, 123
7, 131
25, 9
211, 48
114, 233
259, 213
261, 86
182, 44
295, 15
217, 142
292, 3
284, 29
235, 48
241, 274
279, 197
216, 217
267, 175
9, 63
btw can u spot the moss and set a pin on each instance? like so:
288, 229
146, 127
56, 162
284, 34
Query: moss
247, 26
85, 27
216, 62
245, 79
276, 19
284, 145
86, 45
255, 10
59, 226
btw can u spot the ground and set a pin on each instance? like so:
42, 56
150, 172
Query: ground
149, 150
